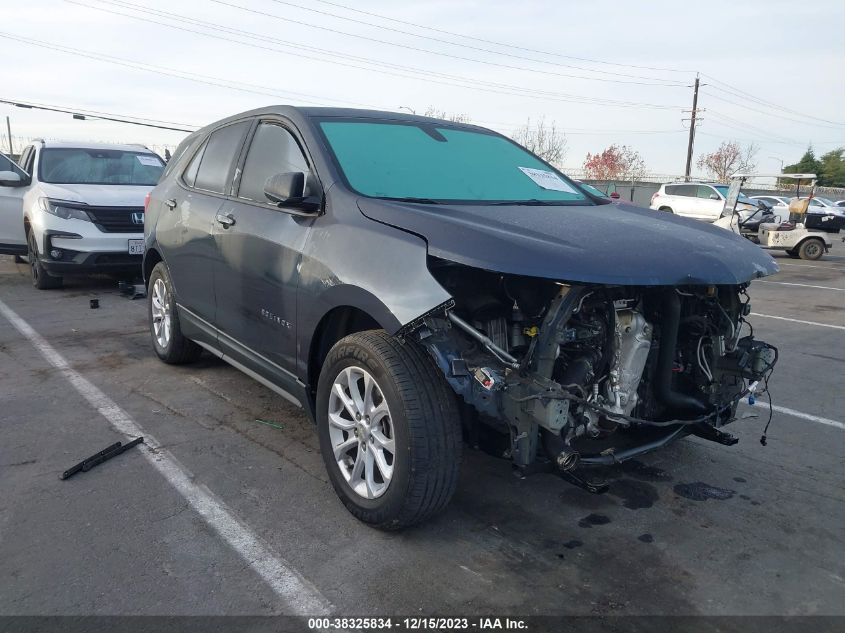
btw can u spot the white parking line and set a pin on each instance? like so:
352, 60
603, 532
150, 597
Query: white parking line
787, 283
780, 318
799, 414
830, 267
298, 594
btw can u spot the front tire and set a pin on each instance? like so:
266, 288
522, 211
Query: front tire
389, 430
168, 342
41, 279
811, 249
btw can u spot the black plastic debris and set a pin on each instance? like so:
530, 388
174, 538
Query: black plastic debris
94, 303
132, 290
107, 453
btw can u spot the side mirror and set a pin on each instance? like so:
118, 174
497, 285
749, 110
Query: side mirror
288, 190
714, 196
11, 179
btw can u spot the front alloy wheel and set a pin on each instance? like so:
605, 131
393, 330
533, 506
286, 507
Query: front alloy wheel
41, 279
361, 432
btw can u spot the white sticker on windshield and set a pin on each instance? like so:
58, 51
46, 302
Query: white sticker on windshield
149, 161
547, 179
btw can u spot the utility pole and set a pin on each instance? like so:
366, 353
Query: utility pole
9, 132
692, 129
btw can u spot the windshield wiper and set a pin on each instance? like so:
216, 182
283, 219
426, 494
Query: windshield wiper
417, 200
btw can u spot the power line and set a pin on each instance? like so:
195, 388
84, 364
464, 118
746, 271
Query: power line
754, 98
464, 36
79, 115
651, 81
748, 127
728, 88
778, 116
177, 74
484, 86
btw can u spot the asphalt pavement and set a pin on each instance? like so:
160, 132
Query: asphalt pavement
227, 510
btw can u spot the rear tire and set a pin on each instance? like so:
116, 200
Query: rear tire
41, 279
666, 209
811, 249
168, 342
413, 413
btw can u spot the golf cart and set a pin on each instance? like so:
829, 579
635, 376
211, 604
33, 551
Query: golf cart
802, 235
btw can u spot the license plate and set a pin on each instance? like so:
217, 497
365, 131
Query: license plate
136, 247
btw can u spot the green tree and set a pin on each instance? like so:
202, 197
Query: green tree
832, 171
808, 164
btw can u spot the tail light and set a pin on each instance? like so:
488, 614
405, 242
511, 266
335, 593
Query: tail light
653, 196
146, 201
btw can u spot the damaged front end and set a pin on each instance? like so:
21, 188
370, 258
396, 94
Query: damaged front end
592, 374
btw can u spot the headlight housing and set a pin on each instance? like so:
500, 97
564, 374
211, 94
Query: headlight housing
55, 207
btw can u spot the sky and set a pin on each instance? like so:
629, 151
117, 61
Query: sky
603, 71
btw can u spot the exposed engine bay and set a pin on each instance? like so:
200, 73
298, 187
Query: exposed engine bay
593, 374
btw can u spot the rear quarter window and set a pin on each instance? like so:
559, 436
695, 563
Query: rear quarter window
221, 151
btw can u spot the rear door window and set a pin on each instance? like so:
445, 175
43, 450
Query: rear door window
682, 190
705, 192
273, 151
221, 151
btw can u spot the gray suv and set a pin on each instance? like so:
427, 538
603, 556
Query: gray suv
407, 279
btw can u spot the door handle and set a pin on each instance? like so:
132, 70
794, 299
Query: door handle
170, 204
226, 219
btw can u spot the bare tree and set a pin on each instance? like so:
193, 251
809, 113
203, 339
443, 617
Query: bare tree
543, 139
617, 162
728, 160
434, 113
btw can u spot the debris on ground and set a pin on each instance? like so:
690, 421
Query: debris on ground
107, 453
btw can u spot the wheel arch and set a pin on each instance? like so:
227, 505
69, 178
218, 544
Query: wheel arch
337, 323
151, 258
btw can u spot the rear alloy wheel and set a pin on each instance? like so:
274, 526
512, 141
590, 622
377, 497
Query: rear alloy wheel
168, 342
811, 249
41, 279
389, 430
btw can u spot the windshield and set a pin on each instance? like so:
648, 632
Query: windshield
723, 189
593, 190
432, 163
78, 166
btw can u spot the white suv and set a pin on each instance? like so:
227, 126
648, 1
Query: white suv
76, 208
702, 201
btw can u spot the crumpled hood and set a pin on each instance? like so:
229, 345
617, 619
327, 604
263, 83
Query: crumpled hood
98, 195
607, 244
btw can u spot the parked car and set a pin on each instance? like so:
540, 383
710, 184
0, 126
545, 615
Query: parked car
780, 205
400, 276
840, 203
702, 201
76, 208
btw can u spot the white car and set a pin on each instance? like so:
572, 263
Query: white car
780, 205
702, 201
76, 208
